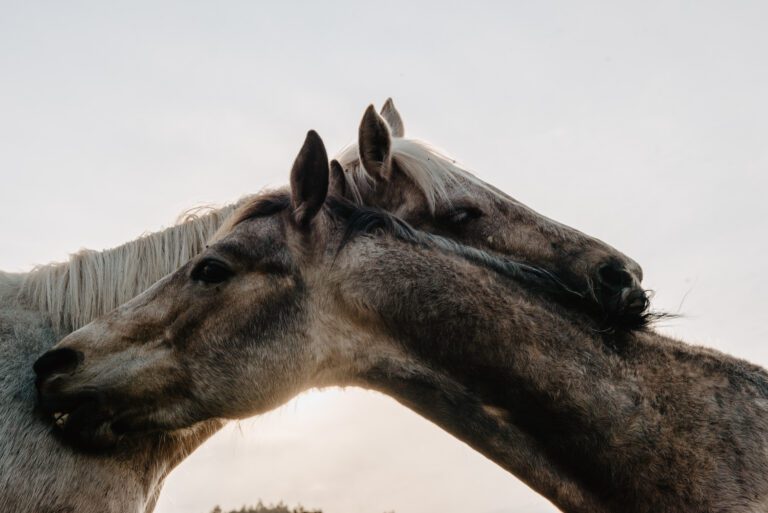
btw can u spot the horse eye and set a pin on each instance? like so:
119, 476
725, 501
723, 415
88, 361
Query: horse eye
461, 215
211, 271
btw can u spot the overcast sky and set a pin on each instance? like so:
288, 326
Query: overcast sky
641, 123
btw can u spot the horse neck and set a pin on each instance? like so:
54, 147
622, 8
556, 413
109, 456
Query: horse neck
457, 370
92, 283
461, 412
566, 409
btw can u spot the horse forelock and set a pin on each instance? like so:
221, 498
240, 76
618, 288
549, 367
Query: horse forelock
263, 204
429, 169
92, 283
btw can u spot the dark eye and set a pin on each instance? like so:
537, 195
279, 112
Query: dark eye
459, 216
211, 271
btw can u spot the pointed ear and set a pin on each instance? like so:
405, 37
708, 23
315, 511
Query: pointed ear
393, 119
309, 179
374, 144
338, 183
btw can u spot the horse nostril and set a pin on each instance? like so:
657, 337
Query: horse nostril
57, 361
615, 277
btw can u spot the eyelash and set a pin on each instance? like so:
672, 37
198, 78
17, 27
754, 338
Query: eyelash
211, 271
462, 215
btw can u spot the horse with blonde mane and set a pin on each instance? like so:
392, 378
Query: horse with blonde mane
39, 474
42, 306
304, 289
430, 191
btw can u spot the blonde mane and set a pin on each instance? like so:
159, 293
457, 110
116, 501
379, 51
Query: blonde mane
91, 283
431, 171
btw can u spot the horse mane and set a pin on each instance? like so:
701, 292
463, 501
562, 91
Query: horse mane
92, 283
430, 170
362, 220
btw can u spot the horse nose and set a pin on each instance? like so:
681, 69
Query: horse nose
620, 291
635, 270
57, 361
615, 277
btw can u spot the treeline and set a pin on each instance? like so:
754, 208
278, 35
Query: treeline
260, 507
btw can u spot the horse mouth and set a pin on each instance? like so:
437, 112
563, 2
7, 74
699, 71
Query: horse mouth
60, 419
628, 308
86, 423
83, 423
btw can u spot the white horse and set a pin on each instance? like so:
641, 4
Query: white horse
39, 474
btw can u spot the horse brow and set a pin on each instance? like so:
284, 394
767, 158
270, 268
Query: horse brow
234, 249
262, 206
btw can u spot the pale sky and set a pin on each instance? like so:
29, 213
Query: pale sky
641, 123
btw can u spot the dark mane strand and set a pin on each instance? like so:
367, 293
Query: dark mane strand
361, 220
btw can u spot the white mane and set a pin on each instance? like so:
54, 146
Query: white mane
91, 283
431, 171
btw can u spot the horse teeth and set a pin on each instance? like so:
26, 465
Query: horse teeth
61, 419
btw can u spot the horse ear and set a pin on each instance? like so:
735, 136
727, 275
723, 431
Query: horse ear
338, 183
392, 117
309, 179
374, 143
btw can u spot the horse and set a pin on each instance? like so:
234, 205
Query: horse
48, 303
303, 289
39, 474
424, 187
